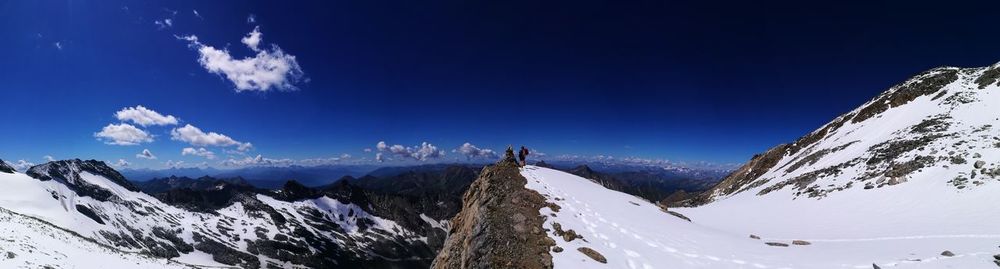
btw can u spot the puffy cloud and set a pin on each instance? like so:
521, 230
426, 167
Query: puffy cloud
123, 134
257, 161
49, 158
197, 137
58, 45
367, 150
425, 151
471, 151
198, 152
146, 154
379, 157
252, 39
268, 69
121, 163
20, 165
252, 18
143, 116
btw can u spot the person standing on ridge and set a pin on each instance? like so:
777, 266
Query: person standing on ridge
522, 155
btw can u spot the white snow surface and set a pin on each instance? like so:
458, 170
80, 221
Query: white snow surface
633, 233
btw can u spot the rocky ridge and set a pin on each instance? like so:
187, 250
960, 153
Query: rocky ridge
499, 225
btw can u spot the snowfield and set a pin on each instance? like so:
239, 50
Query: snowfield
27, 242
633, 233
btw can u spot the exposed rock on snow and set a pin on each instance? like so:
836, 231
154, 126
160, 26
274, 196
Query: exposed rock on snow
801, 243
593, 254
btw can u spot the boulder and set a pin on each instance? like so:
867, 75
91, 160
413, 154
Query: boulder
947, 253
979, 164
755, 237
593, 254
801, 242
776, 244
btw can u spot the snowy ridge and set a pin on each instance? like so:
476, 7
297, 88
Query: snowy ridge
632, 233
254, 232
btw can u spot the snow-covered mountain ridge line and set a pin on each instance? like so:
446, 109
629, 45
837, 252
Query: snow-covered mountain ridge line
295, 227
941, 118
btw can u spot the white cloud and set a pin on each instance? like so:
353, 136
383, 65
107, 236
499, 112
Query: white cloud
379, 158
20, 165
471, 151
367, 150
198, 152
171, 163
164, 23
49, 158
196, 14
252, 18
196, 137
252, 39
122, 163
424, 152
58, 45
146, 154
143, 116
123, 134
268, 69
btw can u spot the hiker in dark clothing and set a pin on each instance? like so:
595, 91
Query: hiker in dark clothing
522, 155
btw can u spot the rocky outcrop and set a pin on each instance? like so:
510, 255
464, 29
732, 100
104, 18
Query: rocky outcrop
499, 225
5, 168
68, 172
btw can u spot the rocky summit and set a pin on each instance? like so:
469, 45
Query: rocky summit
500, 225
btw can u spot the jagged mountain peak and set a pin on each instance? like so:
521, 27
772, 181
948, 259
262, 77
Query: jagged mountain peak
5, 168
940, 120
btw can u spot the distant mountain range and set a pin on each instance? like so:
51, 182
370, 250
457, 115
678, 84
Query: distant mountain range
262, 177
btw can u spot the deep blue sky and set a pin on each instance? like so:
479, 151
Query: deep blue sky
712, 81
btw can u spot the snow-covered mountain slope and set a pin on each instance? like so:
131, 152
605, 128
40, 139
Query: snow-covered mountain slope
920, 160
26, 242
92, 200
937, 126
629, 232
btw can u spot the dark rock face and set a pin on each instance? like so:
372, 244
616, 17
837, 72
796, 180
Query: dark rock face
68, 172
5, 168
160, 185
499, 225
89, 213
